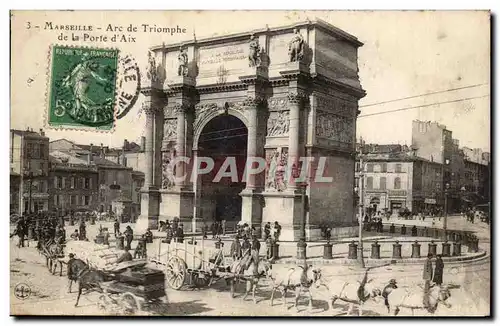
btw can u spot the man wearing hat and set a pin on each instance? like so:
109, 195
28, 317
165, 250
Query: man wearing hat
236, 248
180, 233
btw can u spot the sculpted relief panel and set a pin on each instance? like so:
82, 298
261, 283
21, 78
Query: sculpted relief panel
334, 127
170, 129
278, 123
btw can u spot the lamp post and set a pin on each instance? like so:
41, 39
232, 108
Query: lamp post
360, 217
445, 221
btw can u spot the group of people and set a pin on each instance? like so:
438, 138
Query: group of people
373, 223
42, 229
245, 252
174, 231
432, 275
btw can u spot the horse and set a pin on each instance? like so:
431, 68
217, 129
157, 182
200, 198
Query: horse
251, 275
88, 279
353, 293
413, 299
299, 279
52, 250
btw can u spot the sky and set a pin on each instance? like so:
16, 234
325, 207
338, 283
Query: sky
405, 54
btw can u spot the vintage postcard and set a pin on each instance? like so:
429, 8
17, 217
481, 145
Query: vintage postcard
250, 163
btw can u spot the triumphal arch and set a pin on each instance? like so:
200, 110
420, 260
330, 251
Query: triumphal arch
286, 96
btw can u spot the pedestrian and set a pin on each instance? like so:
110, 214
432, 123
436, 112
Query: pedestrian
223, 225
214, 229
392, 228
380, 226
129, 236
427, 277
414, 231
235, 251
148, 236
83, 230
170, 234
180, 233
140, 250
438, 271
105, 240
403, 230
277, 231
267, 230
116, 227
269, 248
254, 250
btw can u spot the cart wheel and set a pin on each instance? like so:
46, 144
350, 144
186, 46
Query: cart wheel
175, 273
130, 303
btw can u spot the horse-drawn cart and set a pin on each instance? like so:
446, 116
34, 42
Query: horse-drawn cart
198, 266
126, 287
132, 288
187, 264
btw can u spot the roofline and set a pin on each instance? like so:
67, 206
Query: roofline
319, 23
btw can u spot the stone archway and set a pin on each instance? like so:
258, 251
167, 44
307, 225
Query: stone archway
222, 138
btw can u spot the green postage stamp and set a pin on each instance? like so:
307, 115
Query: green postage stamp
82, 88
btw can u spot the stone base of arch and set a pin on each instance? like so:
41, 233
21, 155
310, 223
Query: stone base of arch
150, 210
251, 209
177, 203
288, 209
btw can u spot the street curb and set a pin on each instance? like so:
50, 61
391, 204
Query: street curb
383, 261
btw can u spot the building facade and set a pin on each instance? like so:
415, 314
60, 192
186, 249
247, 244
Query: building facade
29, 167
74, 184
399, 180
296, 95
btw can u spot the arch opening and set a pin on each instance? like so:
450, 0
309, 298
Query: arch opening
224, 140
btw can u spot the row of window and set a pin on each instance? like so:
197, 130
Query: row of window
383, 183
380, 167
74, 183
35, 151
73, 200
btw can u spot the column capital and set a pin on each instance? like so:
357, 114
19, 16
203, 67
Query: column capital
297, 97
182, 108
151, 107
255, 101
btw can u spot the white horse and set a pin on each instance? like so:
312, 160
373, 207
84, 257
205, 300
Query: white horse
413, 298
353, 294
296, 278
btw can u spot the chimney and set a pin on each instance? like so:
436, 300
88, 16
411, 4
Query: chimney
90, 154
143, 143
102, 150
124, 159
42, 133
125, 145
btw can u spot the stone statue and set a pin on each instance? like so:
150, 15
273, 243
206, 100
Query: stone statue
253, 52
296, 46
152, 72
168, 179
282, 173
183, 62
271, 174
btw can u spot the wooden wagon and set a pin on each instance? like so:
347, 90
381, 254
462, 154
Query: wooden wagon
191, 264
132, 287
